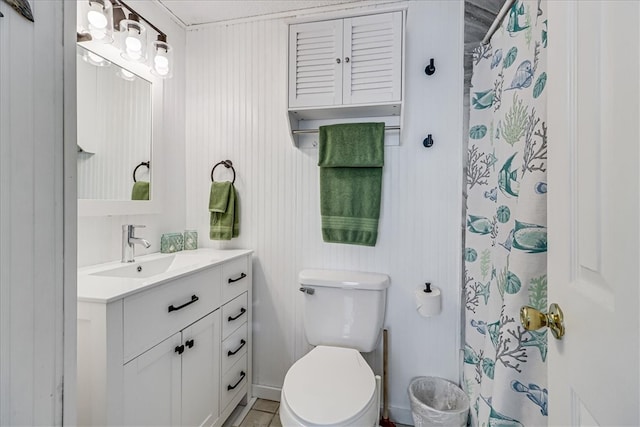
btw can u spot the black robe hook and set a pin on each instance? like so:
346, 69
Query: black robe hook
431, 68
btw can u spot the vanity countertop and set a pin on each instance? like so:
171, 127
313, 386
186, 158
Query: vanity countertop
115, 280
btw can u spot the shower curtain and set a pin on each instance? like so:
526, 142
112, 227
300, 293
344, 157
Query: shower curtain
505, 251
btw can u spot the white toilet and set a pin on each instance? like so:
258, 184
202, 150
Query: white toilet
333, 385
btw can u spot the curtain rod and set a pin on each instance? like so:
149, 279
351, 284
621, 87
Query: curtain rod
496, 23
301, 131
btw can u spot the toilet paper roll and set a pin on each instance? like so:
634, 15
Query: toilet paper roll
428, 303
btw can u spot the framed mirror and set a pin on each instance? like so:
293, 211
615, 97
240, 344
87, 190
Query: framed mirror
118, 133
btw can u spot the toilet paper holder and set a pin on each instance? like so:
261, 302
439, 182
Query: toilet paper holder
428, 300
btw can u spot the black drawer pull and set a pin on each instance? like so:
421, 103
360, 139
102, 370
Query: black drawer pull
242, 375
231, 353
242, 276
179, 349
242, 311
189, 343
193, 299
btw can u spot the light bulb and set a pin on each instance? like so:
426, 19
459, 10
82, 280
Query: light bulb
162, 71
161, 61
133, 44
97, 19
134, 54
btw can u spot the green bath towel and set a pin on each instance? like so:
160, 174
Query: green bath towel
350, 159
351, 145
225, 214
140, 190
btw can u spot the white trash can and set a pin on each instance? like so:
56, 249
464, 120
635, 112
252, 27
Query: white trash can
436, 402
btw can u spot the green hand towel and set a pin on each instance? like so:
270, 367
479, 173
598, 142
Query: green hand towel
351, 145
140, 190
224, 223
219, 196
350, 159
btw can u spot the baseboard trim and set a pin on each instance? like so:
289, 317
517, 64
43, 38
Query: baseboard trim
400, 415
266, 392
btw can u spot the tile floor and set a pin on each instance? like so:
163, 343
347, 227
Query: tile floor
264, 413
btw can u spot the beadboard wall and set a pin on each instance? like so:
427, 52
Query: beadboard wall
32, 219
99, 237
236, 109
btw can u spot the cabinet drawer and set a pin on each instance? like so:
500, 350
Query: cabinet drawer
235, 278
234, 314
152, 316
233, 382
234, 347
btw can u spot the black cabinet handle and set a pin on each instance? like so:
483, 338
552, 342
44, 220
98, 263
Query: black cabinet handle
179, 349
242, 375
231, 353
189, 343
193, 299
242, 276
242, 311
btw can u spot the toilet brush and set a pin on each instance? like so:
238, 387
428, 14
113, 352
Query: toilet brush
385, 422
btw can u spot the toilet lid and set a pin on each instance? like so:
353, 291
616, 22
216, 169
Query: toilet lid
329, 385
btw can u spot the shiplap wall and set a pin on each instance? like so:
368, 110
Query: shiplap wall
99, 237
32, 217
236, 109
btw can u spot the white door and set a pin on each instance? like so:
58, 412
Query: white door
152, 386
201, 371
593, 210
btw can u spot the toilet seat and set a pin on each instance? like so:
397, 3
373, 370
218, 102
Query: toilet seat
329, 386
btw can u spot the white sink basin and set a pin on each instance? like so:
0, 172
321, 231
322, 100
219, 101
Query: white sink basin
139, 269
115, 280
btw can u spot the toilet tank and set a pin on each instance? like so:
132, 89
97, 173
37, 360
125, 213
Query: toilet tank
343, 308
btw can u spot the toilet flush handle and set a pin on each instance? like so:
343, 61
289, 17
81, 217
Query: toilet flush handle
306, 290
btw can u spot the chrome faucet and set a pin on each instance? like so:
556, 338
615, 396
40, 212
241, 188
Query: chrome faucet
129, 241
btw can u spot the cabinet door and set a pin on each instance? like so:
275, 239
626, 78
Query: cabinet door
373, 58
315, 64
152, 386
201, 371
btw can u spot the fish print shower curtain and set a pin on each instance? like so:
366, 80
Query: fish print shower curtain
505, 370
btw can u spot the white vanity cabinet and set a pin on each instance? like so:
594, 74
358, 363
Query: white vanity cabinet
159, 356
175, 382
356, 60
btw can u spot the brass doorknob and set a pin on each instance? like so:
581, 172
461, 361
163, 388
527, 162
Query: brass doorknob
533, 319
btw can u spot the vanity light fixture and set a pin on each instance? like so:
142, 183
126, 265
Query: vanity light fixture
97, 20
134, 39
162, 62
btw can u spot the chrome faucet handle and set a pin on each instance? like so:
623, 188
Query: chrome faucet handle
130, 228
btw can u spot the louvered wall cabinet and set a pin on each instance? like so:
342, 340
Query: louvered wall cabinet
345, 68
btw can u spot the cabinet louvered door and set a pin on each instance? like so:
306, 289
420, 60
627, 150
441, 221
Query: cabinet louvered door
315, 64
373, 58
